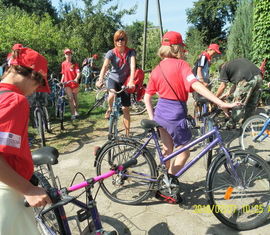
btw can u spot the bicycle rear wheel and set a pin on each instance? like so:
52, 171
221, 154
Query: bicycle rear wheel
49, 222
137, 107
239, 202
137, 182
251, 128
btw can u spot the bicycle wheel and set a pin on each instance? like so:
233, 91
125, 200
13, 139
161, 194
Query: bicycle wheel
113, 130
61, 113
251, 128
49, 222
137, 107
137, 182
47, 119
239, 202
40, 125
100, 100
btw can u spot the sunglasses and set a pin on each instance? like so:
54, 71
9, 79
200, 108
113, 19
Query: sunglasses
120, 39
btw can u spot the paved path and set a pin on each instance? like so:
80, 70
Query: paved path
153, 217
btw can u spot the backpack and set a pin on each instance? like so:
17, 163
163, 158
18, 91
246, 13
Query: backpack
138, 82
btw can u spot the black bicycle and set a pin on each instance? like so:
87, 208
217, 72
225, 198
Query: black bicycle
40, 114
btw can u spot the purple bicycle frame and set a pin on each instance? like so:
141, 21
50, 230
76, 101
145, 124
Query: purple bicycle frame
217, 140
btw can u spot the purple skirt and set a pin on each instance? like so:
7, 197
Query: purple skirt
171, 115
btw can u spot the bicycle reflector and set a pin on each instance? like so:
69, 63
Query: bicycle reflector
228, 193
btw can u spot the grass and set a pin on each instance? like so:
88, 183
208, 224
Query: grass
77, 131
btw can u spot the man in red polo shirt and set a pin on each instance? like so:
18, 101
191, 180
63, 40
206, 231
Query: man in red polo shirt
27, 73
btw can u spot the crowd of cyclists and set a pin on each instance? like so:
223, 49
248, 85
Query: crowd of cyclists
172, 79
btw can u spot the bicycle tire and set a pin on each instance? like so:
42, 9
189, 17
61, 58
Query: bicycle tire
46, 119
240, 203
61, 114
50, 221
137, 107
250, 129
41, 130
98, 103
113, 130
136, 187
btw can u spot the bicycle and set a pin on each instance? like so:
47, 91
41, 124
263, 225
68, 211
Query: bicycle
115, 113
100, 99
255, 134
61, 101
52, 219
41, 117
239, 179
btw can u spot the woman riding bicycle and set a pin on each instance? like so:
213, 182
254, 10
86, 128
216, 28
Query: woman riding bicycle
71, 72
123, 63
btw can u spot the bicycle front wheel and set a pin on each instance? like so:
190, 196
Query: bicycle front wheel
136, 183
48, 223
41, 127
250, 130
239, 194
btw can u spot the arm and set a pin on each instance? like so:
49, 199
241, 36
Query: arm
35, 196
148, 104
221, 89
132, 71
202, 90
77, 77
103, 71
200, 76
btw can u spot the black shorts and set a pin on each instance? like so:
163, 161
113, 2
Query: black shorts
125, 97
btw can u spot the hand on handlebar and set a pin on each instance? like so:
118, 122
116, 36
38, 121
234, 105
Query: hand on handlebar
99, 83
37, 197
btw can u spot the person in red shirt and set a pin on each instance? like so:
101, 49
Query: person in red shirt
71, 74
172, 80
27, 73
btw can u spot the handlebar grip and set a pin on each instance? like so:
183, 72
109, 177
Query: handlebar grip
129, 163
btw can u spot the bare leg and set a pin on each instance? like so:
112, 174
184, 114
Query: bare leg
168, 149
179, 162
75, 100
110, 104
70, 100
126, 119
167, 144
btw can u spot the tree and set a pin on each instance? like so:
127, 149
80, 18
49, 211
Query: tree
210, 18
38, 7
261, 34
240, 37
195, 44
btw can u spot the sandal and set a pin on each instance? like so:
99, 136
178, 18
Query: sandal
107, 114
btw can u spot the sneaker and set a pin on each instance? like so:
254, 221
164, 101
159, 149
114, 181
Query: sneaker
170, 195
73, 117
175, 199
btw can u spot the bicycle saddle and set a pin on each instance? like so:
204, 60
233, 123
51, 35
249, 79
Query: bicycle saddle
45, 155
148, 124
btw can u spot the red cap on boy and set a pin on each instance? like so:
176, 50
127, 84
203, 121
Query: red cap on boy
172, 38
32, 59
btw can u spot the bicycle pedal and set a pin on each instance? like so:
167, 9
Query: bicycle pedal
83, 214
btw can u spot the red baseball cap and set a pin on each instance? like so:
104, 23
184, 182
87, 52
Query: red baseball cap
32, 59
214, 47
95, 56
17, 46
67, 51
172, 38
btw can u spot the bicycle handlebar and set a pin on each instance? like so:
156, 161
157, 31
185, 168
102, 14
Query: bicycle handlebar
118, 92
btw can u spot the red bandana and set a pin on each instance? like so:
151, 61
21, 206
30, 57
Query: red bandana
121, 56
